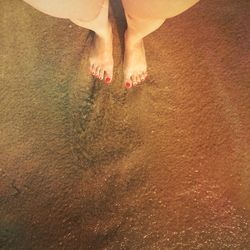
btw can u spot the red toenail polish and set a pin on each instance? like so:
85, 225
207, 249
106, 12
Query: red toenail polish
108, 80
128, 85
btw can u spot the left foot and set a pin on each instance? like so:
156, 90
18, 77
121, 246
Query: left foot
135, 65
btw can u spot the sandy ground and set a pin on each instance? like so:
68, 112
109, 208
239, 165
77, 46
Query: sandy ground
89, 166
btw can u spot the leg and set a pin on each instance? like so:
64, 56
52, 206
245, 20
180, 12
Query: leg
91, 15
87, 10
144, 17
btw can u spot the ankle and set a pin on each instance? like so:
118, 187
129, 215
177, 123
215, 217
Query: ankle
132, 38
104, 31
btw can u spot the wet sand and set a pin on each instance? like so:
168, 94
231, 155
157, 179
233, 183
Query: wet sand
89, 166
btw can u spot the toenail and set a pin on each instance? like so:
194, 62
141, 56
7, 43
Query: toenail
128, 85
108, 80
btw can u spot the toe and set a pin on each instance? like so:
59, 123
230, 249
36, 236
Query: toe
108, 79
134, 79
141, 77
128, 84
108, 76
101, 74
97, 71
144, 76
127, 80
138, 79
92, 69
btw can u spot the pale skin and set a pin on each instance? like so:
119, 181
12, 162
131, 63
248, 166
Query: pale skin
143, 17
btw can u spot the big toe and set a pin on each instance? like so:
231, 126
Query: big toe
128, 83
108, 76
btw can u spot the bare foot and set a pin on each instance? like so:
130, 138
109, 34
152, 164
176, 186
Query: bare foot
101, 58
135, 65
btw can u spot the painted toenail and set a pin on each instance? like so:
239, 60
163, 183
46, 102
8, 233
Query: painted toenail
128, 85
108, 80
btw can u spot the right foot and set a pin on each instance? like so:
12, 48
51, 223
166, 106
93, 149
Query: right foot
101, 58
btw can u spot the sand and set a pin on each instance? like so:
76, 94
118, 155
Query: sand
162, 166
